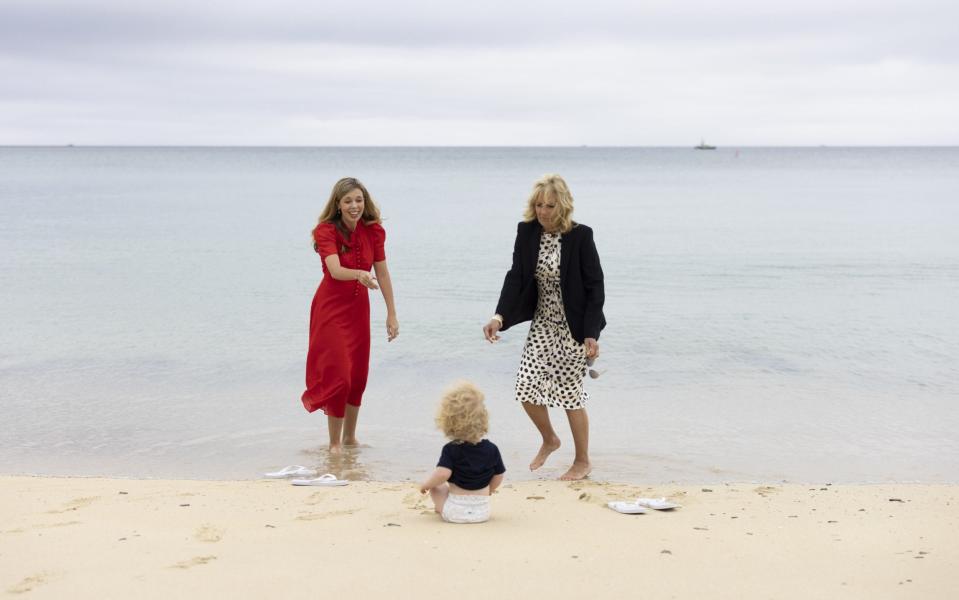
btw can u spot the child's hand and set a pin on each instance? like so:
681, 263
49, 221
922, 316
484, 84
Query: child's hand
424, 489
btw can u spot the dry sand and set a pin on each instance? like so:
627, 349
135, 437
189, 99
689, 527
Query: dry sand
108, 538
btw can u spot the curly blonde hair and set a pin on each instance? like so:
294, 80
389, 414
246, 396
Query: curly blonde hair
462, 415
552, 187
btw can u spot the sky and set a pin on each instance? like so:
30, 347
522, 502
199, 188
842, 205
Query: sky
489, 73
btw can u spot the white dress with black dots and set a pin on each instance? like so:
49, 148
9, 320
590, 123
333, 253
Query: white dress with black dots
553, 364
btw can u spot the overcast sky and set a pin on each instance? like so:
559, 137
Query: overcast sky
598, 72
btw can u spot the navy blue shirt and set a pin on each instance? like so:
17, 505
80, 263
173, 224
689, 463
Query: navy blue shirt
473, 465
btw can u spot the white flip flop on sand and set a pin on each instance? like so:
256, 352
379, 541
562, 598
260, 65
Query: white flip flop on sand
627, 508
657, 503
328, 479
291, 471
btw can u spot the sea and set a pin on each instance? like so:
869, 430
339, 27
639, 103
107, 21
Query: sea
774, 314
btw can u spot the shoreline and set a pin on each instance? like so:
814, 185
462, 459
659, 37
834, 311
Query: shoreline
91, 537
544, 475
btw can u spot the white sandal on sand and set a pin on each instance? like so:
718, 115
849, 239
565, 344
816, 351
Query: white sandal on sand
657, 503
328, 479
627, 508
291, 471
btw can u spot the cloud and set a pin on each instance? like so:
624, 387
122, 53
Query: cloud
502, 73
898, 26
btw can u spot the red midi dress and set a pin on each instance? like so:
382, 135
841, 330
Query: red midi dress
338, 360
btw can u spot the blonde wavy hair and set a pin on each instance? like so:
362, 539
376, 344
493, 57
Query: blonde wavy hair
462, 414
331, 214
552, 187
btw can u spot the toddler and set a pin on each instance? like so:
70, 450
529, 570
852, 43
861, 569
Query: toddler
470, 467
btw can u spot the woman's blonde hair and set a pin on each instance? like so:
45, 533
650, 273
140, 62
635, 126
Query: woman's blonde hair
552, 187
331, 212
462, 415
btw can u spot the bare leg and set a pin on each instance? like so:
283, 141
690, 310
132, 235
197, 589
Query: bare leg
579, 424
335, 425
540, 416
439, 494
349, 425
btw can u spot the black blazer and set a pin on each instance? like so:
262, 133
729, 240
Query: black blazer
580, 276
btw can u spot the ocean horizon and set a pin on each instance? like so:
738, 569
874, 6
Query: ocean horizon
725, 147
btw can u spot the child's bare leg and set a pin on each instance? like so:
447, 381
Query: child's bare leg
439, 494
540, 416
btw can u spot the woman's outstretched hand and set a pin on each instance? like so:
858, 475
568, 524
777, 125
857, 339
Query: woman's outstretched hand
491, 330
392, 328
367, 280
592, 348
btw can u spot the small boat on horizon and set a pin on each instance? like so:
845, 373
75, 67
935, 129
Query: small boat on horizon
704, 146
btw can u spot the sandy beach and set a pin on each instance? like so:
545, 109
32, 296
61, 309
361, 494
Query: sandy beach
109, 538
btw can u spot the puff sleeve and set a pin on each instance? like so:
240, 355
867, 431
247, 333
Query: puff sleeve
324, 240
379, 242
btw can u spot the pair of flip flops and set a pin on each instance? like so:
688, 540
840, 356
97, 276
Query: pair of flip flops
327, 480
641, 504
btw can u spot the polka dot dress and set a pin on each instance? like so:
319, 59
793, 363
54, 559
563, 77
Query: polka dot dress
553, 364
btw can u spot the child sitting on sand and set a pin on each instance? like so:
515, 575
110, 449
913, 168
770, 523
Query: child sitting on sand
470, 467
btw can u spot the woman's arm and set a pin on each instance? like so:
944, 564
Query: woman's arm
594, 289
386, 287
438, 477
512, 284
341, 273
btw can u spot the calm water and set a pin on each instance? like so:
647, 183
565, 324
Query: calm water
774, 313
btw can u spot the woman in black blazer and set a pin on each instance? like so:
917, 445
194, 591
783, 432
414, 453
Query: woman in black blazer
557, 282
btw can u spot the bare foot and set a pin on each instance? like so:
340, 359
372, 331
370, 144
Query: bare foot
336, 449
544, 451
577, 471
351, 442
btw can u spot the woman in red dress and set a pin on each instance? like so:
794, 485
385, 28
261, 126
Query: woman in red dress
350, 241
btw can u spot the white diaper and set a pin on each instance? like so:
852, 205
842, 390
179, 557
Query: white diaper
466, 509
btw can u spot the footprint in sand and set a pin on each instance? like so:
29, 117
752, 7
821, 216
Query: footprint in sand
9, 531
591, 499
326, 515
193, 562
28, 583
415, 500
314, 499
60, 524
581, 484
765, 490
75, 504
209, 533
